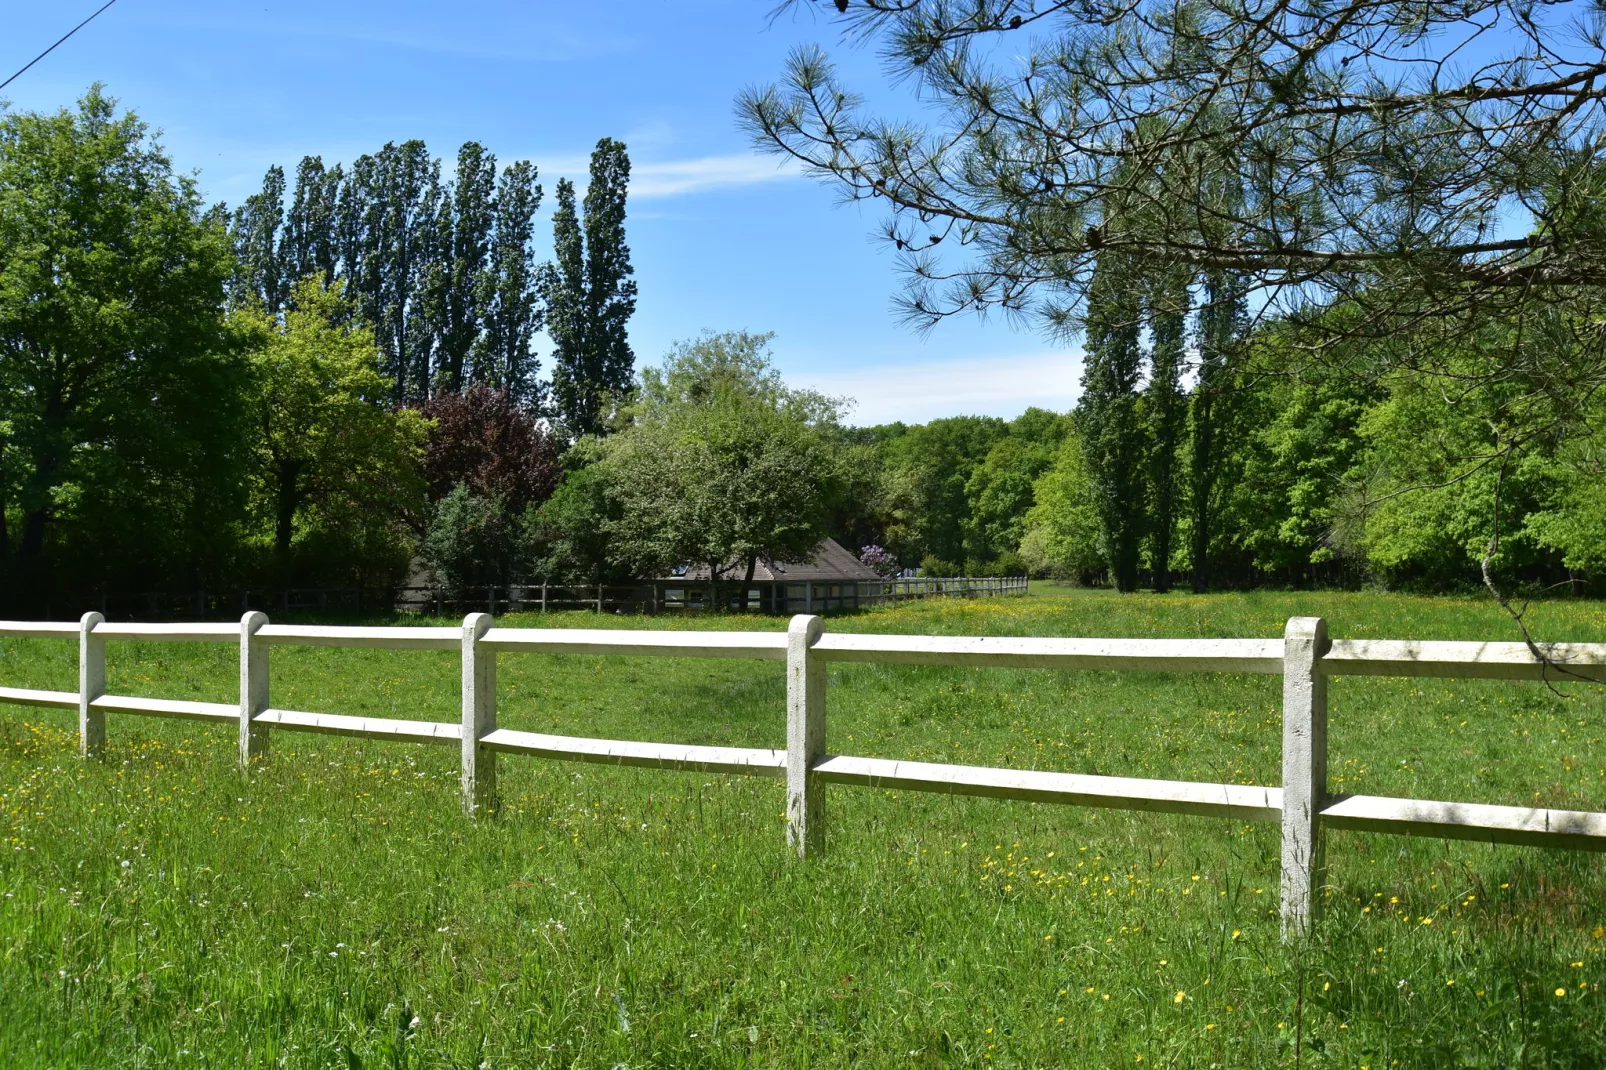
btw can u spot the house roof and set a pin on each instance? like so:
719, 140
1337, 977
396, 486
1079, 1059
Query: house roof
831, 563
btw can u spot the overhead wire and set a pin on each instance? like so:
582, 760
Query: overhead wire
53, 47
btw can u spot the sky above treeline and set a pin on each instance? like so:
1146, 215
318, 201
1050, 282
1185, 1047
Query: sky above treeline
722, 238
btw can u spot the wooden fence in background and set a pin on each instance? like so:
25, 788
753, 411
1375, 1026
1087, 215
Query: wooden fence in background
642, 596
1305, 658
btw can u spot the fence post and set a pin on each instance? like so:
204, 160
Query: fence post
253, 689
1304, 772
543, 596
479, 717
91, 685
805, 736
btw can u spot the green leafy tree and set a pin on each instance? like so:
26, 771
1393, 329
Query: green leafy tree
721, 464
119, 387
472, 541
590, 295
569, 536
335, 464
925, 472
999, 492
1063, 537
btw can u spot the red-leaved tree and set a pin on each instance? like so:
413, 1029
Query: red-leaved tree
483, 439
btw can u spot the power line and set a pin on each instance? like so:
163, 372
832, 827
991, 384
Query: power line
52, 48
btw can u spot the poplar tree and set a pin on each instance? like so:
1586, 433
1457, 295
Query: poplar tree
257, 276
1164, 414
465, 236
505, 357
399, 241
310, 245
1112, 434
1220, 322
590, 294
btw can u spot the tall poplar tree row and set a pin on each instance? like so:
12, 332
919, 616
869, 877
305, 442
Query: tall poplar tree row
590, 294
442, 270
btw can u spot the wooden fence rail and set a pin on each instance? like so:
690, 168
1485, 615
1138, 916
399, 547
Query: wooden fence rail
1304, 657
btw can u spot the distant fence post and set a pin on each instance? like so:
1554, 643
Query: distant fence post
91, 685
253, 689
805, 736
1304, 772
479, 717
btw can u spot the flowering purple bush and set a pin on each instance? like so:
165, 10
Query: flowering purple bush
877, 558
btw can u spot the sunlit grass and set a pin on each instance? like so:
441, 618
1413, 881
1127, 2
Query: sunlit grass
336, 909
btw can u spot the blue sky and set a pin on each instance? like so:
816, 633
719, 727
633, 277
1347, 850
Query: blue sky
722, 238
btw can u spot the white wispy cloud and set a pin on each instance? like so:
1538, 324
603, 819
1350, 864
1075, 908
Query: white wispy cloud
924, 390
674, 178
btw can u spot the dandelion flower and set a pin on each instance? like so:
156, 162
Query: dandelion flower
1179, 997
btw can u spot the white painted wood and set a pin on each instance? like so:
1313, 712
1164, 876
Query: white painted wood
253, 689
805, 736
770, 646
91, 685
171, 633
1485, 661
168, 707
1522, 825
1160, 655
479, 717
1237, 801
744, 761
382, 728
57, 700
39, 629
1304, 773
366, 638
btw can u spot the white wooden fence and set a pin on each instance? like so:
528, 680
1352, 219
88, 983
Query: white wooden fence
1305, 658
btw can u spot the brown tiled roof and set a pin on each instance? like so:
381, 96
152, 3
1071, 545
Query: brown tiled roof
832, 563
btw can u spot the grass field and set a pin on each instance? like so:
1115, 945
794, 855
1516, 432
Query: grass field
336, 910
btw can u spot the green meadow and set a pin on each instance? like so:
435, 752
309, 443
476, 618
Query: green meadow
335, 909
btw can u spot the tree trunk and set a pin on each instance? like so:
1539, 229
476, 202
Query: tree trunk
747, 581
33, 535
287, 501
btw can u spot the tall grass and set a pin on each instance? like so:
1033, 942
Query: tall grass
334, 909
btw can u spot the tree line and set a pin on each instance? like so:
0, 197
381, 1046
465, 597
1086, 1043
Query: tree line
282, 393
444, 270
196, 397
